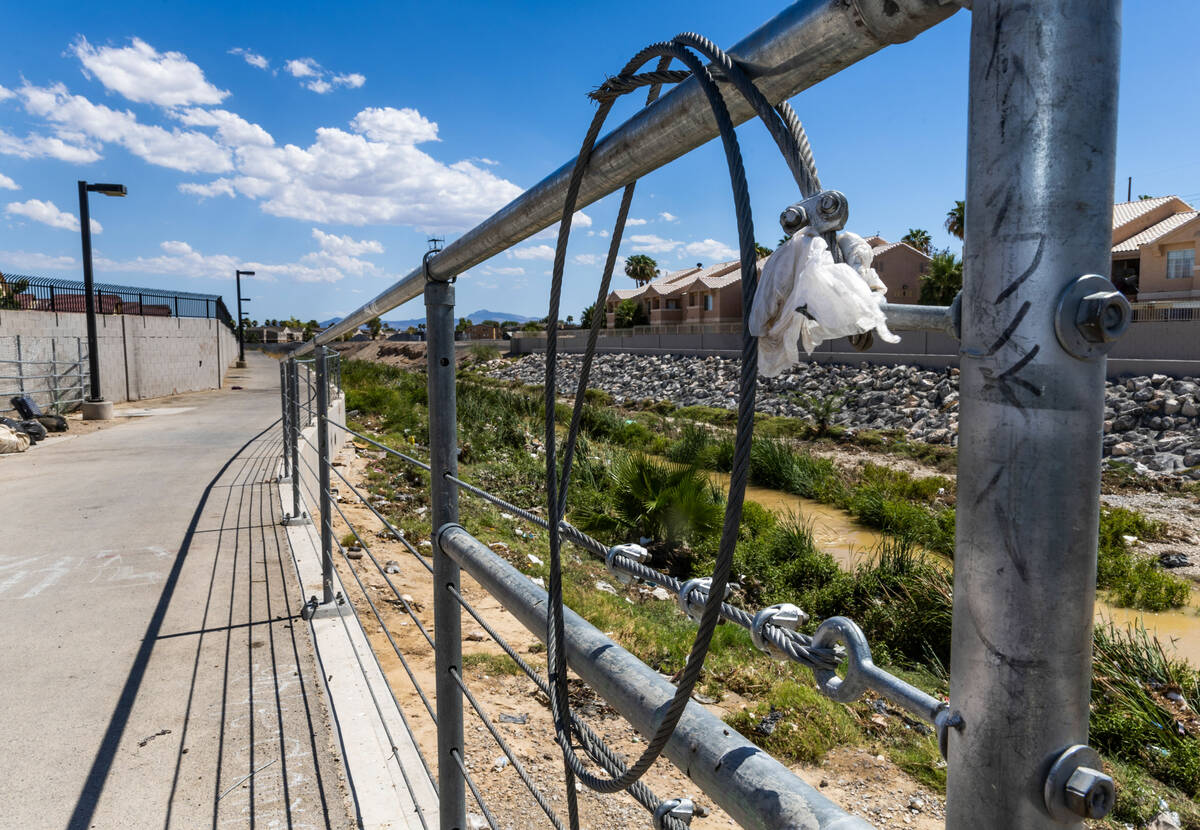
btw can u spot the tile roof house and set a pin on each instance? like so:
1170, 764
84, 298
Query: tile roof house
710, 294
900, 266
1154, 249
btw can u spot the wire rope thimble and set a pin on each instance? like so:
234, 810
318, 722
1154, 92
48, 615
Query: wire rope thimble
783, 615
694, 610
680, 809
637, 553
842, 631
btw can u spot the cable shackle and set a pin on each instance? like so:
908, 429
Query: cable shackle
635, 553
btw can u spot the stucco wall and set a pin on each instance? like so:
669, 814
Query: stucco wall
1153, 283
140, 357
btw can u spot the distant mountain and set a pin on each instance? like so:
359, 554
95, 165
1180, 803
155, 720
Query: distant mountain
475, 317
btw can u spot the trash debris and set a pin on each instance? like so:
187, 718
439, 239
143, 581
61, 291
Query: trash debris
507, 718
391, 567
500, 763
533, 559
1174, 559
606, 587
538, 581
475, 636
12, 441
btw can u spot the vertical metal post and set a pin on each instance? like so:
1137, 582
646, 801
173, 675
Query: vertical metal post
1041, 149
79, 365
323, 462
53, 374
293, 369
52, 305
241, 336
447, 618
283, 419
85, 233
20, 368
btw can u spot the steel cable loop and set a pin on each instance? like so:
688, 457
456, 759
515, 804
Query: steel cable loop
537, 794
619, 85
592, 743
786, 134
462, 767
555, 648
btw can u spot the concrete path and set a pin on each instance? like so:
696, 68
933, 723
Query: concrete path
156, 672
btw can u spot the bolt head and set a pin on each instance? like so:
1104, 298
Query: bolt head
1103, 316
793, 218
829, 203
1090, 793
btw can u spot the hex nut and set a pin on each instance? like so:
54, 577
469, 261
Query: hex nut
1103, 316
1090, 793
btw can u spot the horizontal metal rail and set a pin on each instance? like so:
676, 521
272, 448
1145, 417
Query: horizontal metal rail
752, 787
806, 43
937, 318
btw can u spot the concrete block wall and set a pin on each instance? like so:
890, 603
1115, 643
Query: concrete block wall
140, 357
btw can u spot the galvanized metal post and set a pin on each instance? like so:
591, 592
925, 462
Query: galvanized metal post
293, 382
323, 462
20, 368
447, 620
283, 419
1041, 148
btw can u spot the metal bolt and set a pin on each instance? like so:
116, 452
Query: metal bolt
1090, 793
793, 218
1103, 316
829, 203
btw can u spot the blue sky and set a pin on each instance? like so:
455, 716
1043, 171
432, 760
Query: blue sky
321, 145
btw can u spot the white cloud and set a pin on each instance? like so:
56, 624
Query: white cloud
35, 261
232, 129
633, 223
487, 161
48, 214
668, 217
344, 245
329, 264
711, 249
395, 126
43, 146
315, 77
542, 252
505, 271
303, 68
8, 184
251, 58
587, 259
652, 244
77, 117
5, 93
143, 74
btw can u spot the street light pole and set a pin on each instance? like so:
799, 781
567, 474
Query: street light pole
95, 408
241, 363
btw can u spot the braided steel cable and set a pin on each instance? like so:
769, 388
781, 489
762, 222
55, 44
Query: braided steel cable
537, 794
383, 447
556, 491
462, 768
795, 645
593, 744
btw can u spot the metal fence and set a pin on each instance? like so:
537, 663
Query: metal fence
55, 379
26, 293
1166, 311
1035, 324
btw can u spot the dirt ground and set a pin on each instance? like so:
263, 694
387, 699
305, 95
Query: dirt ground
861, 782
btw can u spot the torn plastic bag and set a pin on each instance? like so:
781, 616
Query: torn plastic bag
804, 297
12, 441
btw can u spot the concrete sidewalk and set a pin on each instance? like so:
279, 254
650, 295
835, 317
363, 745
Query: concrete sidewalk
156, 672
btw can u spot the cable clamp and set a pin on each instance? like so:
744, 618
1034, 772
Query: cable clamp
680, 809
695, 610
637, 553
784, 615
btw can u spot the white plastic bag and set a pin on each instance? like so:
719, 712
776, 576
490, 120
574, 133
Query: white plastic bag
804, 297
12, 441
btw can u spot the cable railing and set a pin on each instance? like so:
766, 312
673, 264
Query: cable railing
1034, 321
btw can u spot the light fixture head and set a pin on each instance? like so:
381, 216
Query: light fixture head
107, 189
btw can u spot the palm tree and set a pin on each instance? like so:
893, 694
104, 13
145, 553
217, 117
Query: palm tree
640, 268
943, 280
956, 219
761, 251
919, 239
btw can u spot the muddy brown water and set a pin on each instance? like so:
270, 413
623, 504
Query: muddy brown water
850, 544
